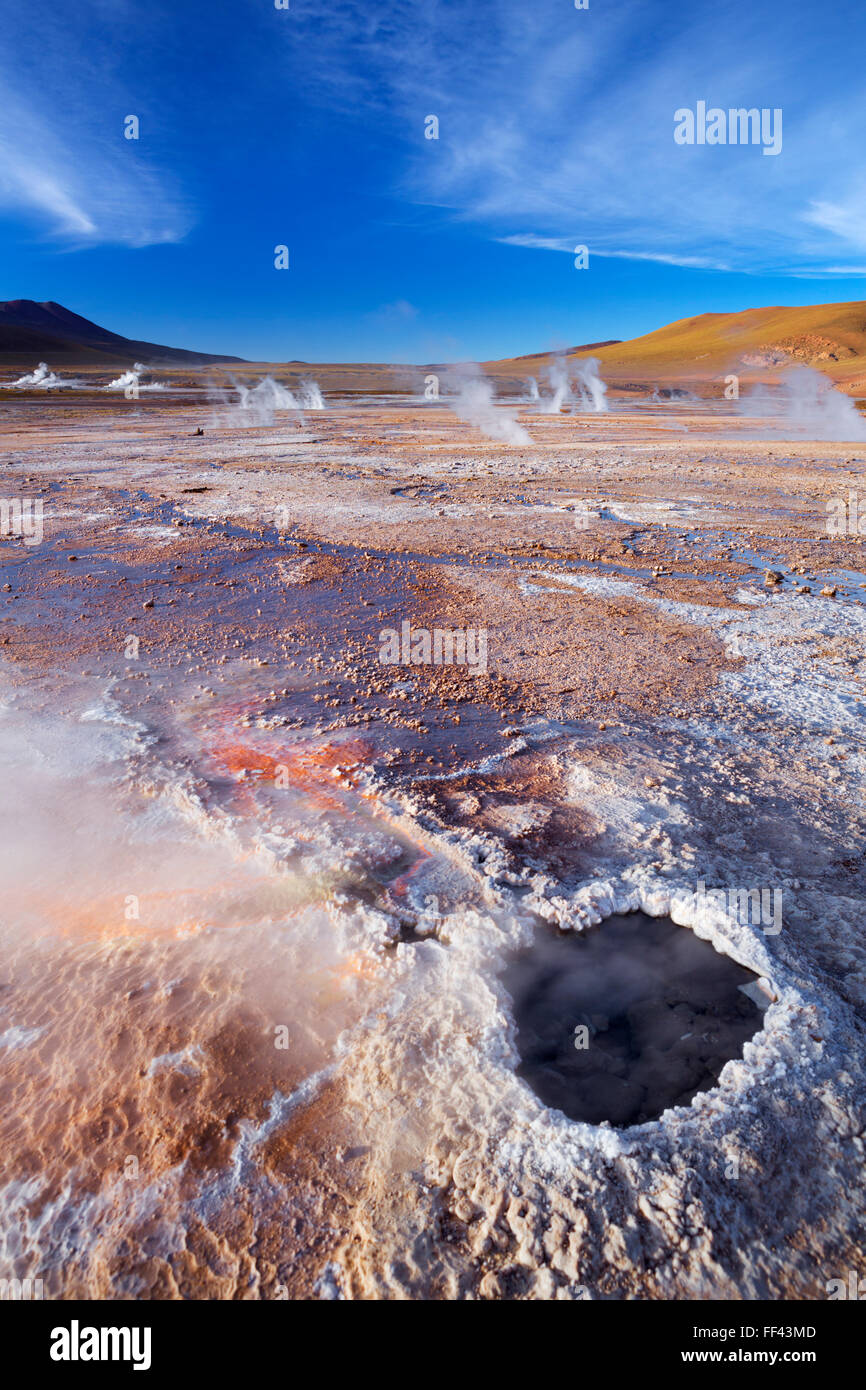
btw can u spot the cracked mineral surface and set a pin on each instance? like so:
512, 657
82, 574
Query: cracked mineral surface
262, 888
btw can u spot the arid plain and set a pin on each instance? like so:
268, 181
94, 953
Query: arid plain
279, 883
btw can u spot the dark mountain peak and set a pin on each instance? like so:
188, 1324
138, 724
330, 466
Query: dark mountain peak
49, 328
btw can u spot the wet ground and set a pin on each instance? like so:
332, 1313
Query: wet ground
262, 889
628, 1019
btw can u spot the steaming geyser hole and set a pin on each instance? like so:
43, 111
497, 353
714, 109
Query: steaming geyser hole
629, 1018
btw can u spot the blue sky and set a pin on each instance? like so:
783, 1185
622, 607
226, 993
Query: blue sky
305, 127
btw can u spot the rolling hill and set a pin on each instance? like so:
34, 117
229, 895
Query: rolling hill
698, 352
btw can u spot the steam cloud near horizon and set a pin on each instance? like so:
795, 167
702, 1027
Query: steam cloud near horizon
260, 404
580, 376
132, 377
807, 405
474, 404
41, 376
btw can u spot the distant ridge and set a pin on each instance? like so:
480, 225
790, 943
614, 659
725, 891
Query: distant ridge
753, 342
696, 352
558, 352
49, 331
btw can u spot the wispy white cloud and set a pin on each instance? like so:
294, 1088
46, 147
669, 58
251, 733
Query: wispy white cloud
87, 196
65, 167
399, 311
23, 184
562, 121
691, 262
844, 218
555, 125
530, 241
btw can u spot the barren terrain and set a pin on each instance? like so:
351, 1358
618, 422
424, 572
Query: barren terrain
262, 890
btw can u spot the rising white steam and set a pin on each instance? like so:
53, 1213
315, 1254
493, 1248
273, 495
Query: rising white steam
255, 405
131, 379
806, 405
532, 389
577, 380
591, 388
311, 396
557, 375
474, 404
42, 376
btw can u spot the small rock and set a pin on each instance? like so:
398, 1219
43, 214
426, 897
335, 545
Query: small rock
772, 577
829, 591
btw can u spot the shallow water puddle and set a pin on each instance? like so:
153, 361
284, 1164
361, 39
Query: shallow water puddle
625, 1020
